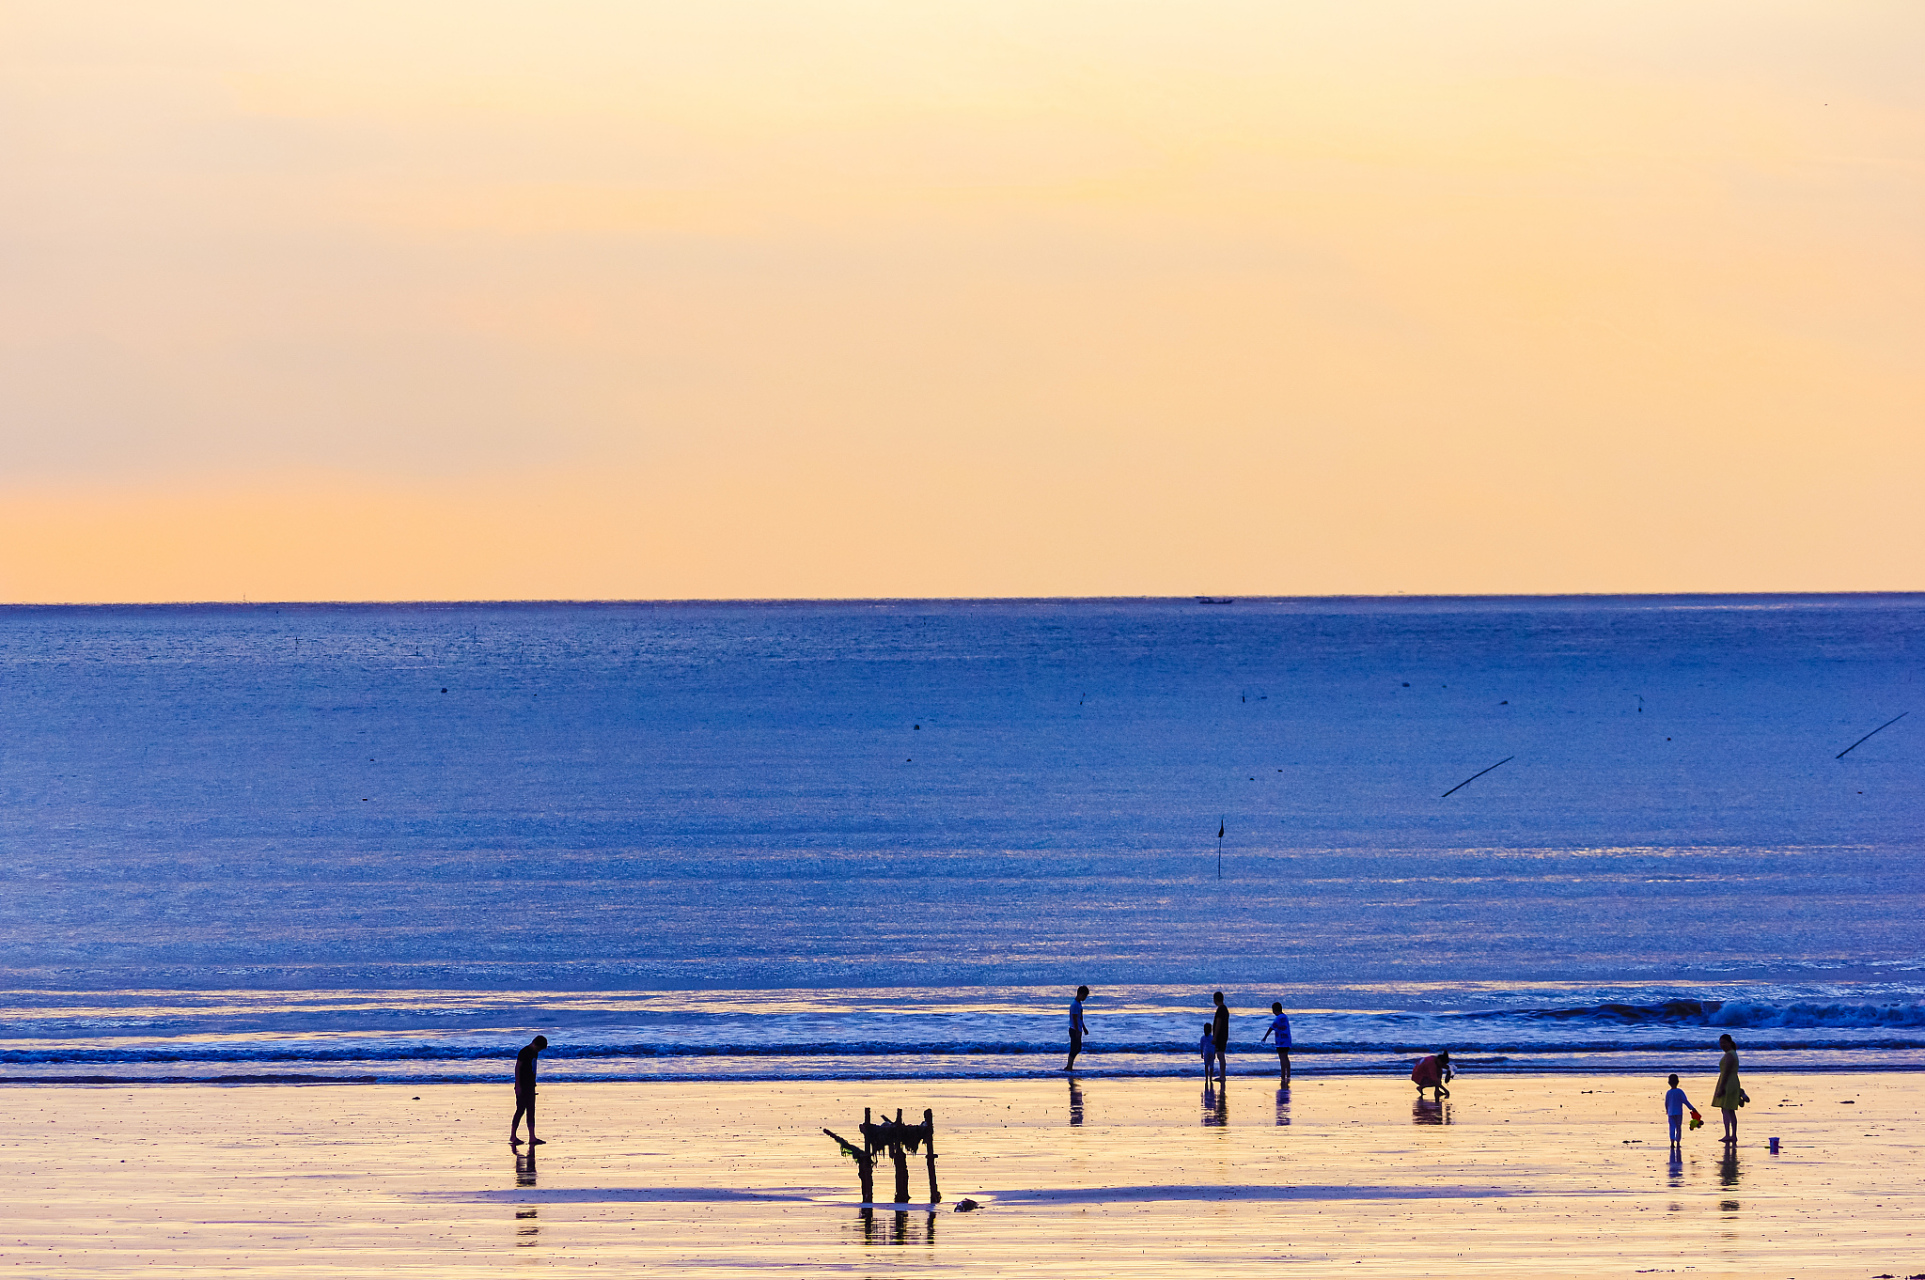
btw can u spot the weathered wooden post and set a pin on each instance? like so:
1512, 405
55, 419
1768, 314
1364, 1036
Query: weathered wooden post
929, 1153
900, 1140
865, 1165
901, 1161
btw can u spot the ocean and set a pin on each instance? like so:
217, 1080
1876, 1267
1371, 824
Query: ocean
888, 839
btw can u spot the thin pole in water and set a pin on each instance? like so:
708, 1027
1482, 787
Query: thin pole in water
1219, 848
1888, 724
1475, 776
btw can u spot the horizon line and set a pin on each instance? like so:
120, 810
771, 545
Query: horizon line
1193, 598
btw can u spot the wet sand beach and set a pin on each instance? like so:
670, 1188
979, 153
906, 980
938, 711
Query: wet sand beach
1529, 1175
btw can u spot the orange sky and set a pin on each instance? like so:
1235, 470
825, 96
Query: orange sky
846, 298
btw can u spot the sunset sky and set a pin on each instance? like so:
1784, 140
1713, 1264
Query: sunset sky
763, 298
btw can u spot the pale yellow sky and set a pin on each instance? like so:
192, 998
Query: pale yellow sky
757, 298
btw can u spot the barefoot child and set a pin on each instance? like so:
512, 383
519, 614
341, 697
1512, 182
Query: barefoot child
1675, 1105
1280, 1028
1207, 1047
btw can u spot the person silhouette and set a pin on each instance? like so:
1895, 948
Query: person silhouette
1433, 1073
1280, 1028
1220, 1032
525, 1092
1730, 1094
1076, 1027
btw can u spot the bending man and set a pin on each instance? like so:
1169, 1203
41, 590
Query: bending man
525, 1091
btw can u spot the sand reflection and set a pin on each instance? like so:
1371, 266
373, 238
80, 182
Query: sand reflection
1216, 1104
1424, 1111
736, 1178
1075, 1102
527, 1223
901, 1228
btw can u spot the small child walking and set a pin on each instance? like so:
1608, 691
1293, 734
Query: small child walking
1207, 1047
1675, 1105
1280, 1028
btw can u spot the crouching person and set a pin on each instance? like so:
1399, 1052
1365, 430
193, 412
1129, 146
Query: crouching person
1433, 1073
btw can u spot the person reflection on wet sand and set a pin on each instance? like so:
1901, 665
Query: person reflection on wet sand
1216, 1104
1422, 1112
1075, 1102
1728, 1168
526, 1228
525, 1169
1283, 1107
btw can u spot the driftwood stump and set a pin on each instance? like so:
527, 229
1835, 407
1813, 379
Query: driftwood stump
900, 1160
929, 1154
899, 1140
865, 1164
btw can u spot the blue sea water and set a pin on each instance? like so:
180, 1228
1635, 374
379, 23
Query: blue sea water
888, 838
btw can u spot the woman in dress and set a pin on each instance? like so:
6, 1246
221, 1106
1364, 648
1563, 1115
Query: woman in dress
1729, 1095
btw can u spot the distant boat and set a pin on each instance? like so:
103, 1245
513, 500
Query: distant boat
1215, 600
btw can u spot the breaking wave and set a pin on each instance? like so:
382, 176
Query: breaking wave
1726, 1014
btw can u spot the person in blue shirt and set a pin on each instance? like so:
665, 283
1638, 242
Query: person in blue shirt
1675, 1105
1280, 1028
1076, 1027
1207, 1047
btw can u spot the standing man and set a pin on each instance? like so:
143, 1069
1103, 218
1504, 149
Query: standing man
1280, 1028
1076, 1027
1220, 1028
525, 1091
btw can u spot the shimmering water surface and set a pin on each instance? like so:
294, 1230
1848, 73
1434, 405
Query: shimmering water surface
886, 839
